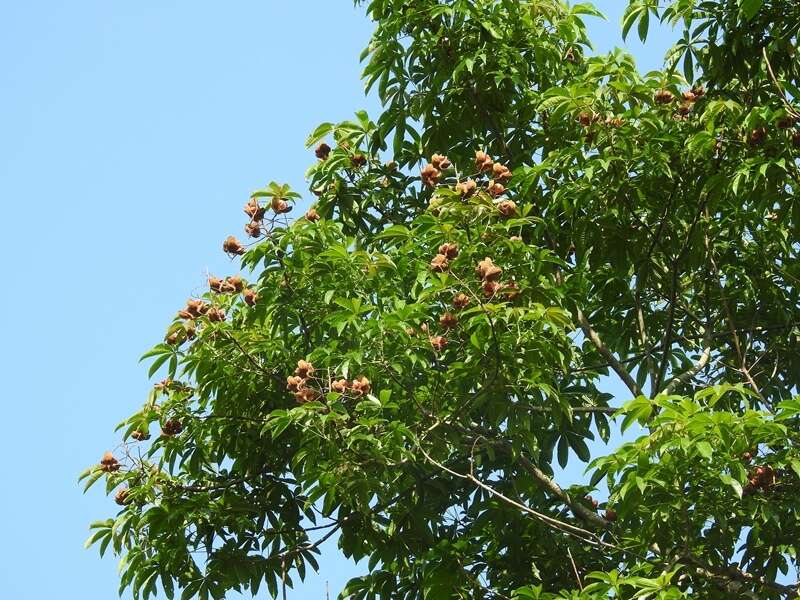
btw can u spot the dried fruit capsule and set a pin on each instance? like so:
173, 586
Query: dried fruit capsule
439, 264
460, 301
449, 250
232, 246
322, 151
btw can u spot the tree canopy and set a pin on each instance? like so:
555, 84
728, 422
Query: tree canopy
411, 364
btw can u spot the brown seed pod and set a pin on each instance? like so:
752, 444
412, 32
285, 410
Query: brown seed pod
689, 96
507, 208
483, 161
340, 386
510, 290
430, 175
216, 315
615, 122
448, 321
684, 109
312, 215
191, 331
449, 250
196, 307
757, 136
108, 459
280, 206
786, 122
610, 515
176, 338
185, 314
569, 55
495, 188
304, 369
305, 395
254, 211
663, 97
440, 264
490, 288
585, 118
361, 386
294, 383
466, 188
796, 139
232, 246
253, 229
250, 297
172, 427
699, 91
460, 301
214, 284
140, 436
438, 342
501, 173
322, 151
441, 162
358, 160
121, 497
487, 270
235, 282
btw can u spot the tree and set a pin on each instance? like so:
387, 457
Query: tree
406, 363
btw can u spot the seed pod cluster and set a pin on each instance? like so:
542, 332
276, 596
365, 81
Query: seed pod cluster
171, 427
109, 464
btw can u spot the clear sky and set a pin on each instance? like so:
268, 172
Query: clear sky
131, 133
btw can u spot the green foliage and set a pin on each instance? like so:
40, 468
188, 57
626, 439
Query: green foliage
412, 362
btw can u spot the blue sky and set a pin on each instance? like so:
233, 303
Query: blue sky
130, 135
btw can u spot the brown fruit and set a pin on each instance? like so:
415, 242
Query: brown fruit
121, 497
698, 91
510, 290
757, 136
294, 383
495, 188
214, 284
501, 173
466, 188
684, 109
487, 270
305, 395
322, 151
490, 288
304, 369
254, 211
449, 250
185, 314
358, 160
448, 321
438, 342
197, 307
280, 206
140, 436
786, 122
441, 162
796, 139
232, 246
253, 229
108, 459
250, 297
663, 97
747, 456
615, 122
340, 386
171, 427
312, 215
235, 282
430, 175
460, 301
216, 315
483, 161
569, 56
507, 208
689, 96
191, 331
440, 264
585, 118
361, 386
610, 515
176, 338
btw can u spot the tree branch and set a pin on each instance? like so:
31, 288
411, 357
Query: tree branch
619, 369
